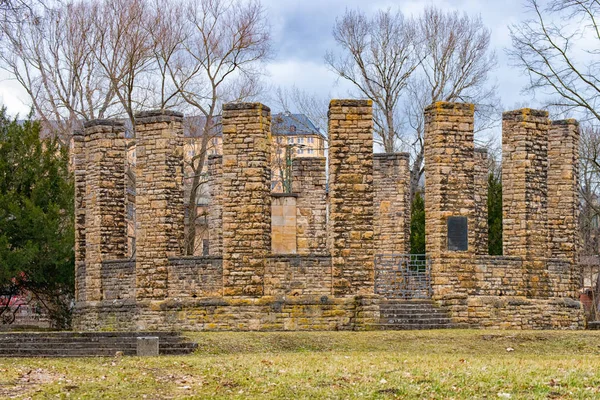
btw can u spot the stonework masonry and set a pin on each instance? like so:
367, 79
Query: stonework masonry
159, 199
481, 199
351, 196
329, 284
215, 211
563, 184
247, 197
105, 231
309, 182
524, 193
449, 192
391, 187
79, 165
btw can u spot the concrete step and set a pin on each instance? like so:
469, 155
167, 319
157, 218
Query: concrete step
87, 344
413, 314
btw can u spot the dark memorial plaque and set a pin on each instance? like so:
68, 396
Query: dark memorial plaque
458, 233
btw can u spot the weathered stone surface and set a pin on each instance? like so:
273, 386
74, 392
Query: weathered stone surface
105, 229
351, 196
159, 199
147, 346
309, 182
449, 192
79, 173
215, 211
391, 187
524, 194
480, 224
246, 197
283, 223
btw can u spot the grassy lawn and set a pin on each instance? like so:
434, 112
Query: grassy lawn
415, 364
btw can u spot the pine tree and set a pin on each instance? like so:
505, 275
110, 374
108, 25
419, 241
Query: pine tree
36, 219
417, 225
494, 215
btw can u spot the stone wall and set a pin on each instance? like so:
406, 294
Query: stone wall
391, 187
481, 199
105, 232
79, 173
159, 199
283, 223
450, 193
524, 194
351, 196
298, 276
215, 210
563, 190
246, 197
118, 279
194, 277
309, 182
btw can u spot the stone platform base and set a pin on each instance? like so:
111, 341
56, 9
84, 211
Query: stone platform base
302, 313
320, 313
515, 312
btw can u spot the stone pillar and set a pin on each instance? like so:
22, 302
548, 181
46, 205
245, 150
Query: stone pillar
524, 194
450, 197
159, 199
481, 198
524, 177
563, 190
246, 197
79, 172
391, 185
351, 196
449, 175
215, 211
106, 231
309, 182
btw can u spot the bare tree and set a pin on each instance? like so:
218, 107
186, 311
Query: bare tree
223, 44
378, 55
50, 56
456, 62
558, 50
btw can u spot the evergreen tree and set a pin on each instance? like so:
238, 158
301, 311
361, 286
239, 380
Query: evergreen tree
494, 215
36, 219
417, 225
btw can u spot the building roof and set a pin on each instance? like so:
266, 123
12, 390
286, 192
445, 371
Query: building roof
289, 124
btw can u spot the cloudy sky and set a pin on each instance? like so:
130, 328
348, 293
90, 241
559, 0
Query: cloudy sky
302, 34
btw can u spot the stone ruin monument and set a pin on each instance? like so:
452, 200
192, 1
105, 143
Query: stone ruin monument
346, 266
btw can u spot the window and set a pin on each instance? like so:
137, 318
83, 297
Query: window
301, 140
311, 140
279, 139
310, 151
293, 128
291, 140
300, 151
279, 150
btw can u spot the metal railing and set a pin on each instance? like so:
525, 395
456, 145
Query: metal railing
403, 276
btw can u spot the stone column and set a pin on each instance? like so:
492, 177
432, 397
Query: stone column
450, 197
524, 194
159, 199
309, 182
351, 196
106, 231
524, 177
215, 210
481, 199
563, 190
79, 172
391, 185
449, 176
246, 197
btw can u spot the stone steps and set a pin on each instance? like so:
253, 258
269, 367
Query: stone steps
413, 314
87, 344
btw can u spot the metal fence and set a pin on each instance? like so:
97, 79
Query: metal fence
403, 276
